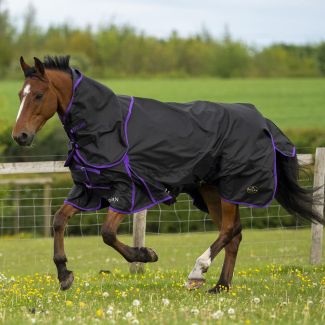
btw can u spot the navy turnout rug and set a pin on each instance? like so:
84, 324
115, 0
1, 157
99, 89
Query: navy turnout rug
130, 153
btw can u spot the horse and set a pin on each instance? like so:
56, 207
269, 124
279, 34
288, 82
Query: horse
128, 154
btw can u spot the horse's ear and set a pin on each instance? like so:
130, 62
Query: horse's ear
24, 65
39, 67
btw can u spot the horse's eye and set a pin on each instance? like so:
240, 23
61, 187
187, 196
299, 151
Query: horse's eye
39, 96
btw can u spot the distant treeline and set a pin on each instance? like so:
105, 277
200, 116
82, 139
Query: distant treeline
118, 51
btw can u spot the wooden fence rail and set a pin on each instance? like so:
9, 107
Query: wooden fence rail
139, 225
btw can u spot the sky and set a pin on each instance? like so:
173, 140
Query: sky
257, 22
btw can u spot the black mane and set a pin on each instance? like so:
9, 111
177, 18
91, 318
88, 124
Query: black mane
57, 63
52, 63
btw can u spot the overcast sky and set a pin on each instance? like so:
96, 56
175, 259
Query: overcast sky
258, 22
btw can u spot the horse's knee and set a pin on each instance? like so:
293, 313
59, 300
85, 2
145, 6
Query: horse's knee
109, 237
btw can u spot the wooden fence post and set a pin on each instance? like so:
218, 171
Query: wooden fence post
47, 210
139, 232
317, 229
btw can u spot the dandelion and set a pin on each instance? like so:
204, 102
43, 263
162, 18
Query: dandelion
109, 311
99, 313
82, 304
231, 311
256, 300
135, 321
136, 303
86, 284
218, 314
195, 311
128, 315
165, 301
105, 294
69, 303
33, 320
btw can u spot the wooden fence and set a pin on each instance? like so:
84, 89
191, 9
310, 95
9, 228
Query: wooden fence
139, 219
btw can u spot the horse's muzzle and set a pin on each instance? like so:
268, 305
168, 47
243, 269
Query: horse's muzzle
24, 139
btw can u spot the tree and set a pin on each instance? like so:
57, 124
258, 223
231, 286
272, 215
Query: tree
6, 40
321, 58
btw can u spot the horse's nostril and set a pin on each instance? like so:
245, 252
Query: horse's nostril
24, 139
23, 136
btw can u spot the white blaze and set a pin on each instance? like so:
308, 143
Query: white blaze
201, 265
26, 91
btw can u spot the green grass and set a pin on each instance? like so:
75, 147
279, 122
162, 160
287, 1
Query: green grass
273, 283
291, 103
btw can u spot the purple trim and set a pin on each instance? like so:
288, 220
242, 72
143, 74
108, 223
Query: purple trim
78, 127
293, 153
143, 208
126, 122
145, 185
126, 140
83, 209
127, 167
84, 161
64, 117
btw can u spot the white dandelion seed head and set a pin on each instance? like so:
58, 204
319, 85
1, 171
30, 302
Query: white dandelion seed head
195, 311
231, 311
86, 284
217, 315
256, 300
165, 301
128, 315
135, 321
136, 303
105, 294
33, 320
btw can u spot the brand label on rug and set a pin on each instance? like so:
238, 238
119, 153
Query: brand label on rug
112, 199
252, 189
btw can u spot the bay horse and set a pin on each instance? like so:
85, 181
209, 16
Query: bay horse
129, 153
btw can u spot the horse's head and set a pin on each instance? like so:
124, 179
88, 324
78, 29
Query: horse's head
38, 103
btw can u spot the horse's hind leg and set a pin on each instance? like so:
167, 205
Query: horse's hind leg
61, 218
212, 200
226, 216
131, 254
228, 267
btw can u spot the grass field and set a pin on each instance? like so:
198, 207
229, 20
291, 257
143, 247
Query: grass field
273, 284
291, 103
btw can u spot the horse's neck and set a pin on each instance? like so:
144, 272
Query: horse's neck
61, 83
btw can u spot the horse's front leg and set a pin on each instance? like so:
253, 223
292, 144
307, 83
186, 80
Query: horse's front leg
61, 218
131, 254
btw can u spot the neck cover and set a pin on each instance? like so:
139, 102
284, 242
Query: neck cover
130, 153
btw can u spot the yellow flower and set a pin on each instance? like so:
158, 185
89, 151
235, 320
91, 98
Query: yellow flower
69, 303
82, 304
99, 313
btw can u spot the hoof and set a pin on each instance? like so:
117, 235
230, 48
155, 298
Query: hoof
193, 284
219, 288
153, 255
66, 283
146, 255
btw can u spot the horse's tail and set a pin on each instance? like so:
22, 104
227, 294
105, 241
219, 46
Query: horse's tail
295, 199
